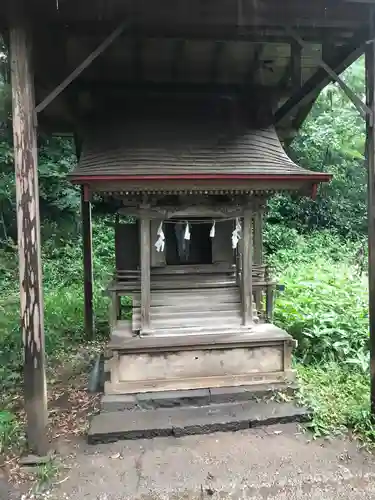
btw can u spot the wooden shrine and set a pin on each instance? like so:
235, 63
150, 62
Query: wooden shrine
179, 111
193, 173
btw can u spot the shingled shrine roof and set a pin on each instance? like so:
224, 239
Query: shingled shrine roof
182, 141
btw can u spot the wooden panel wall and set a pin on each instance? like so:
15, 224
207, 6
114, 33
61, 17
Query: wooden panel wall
127, 246
222, 243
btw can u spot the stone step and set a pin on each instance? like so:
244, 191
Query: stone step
196, 397
138, 424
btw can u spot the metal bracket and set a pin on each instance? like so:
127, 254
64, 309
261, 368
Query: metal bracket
74, 74
363, 109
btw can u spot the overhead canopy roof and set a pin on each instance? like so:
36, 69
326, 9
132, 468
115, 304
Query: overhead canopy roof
171, 139
195, 45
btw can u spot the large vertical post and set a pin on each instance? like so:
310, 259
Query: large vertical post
145, 228
247, 260
28, 229
370, 142
87, 263
258, 251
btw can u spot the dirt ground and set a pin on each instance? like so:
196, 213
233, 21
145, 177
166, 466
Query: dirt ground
277, 462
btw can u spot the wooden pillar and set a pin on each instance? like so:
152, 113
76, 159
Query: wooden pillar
87, 263
258, 251
28, 229
370, 142
145, 228
247, 258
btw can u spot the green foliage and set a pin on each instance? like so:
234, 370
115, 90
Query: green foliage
332, 139
11, 432
63, 298
325, 307
325, 302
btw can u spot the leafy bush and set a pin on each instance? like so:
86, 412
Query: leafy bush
11, 432
63, 298
325, 303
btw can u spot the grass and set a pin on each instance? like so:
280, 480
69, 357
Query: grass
339, 399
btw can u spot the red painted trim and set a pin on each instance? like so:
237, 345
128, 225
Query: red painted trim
99, 178
314, 191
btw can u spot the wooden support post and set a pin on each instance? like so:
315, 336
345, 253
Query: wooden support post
87, 264
370, 142
28, 229
296, 59
145, 239
258, 252
247, 286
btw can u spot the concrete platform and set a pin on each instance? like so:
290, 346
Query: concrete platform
113, 426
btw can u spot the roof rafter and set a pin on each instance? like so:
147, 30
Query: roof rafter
311, 88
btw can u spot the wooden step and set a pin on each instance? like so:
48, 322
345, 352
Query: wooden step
211, 338
218, 318
172, 285
172, 313
191, 298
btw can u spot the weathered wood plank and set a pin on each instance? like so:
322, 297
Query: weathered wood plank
172, 285
145, 273
28, 228
247, 289
258, 255
261, 334
87, 266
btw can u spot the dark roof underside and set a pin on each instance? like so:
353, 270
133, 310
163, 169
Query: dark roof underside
210, 46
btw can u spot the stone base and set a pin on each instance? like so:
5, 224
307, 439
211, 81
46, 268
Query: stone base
177, 422
196, 397
259, 357
194, 384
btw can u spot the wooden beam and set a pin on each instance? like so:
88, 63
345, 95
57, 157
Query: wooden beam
311, 88
74, 74
257, 34
361, 106
255, 63
247, 287
138, 59
370, 153
328, 50
179, 54
295, 59
145, 228
258, 251
122, 88
217, 54
87, 264
28, 229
